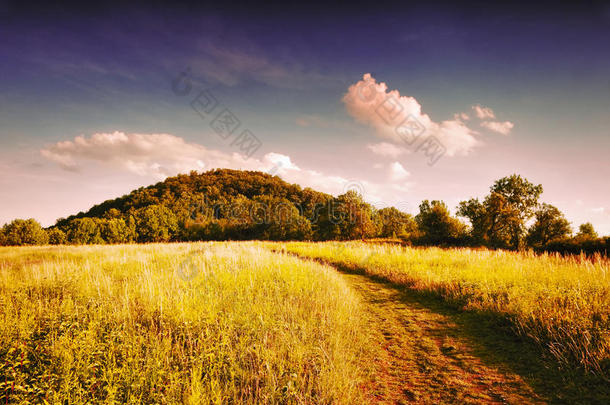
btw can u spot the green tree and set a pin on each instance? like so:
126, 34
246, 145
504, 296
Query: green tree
279, 219
437, 225
84, 231
327, 220
355, 216
521, 197
210, 230
116, 230
24, 232
238, 218
550, 225
491, 220
112, 213
586, 231
155, 223
57, 236
395, 223
500, 220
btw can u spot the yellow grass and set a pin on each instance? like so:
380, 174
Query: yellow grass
562, 303
121, 324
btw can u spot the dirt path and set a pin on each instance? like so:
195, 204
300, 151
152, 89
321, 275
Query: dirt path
426, 351
422, 357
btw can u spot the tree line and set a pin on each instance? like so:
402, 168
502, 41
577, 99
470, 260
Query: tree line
243, 205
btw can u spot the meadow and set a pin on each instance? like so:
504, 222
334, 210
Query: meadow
562, 303
300, 323
175, 323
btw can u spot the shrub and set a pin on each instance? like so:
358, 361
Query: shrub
24, 232
57, 236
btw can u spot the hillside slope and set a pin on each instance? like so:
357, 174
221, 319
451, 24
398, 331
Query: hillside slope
228, 204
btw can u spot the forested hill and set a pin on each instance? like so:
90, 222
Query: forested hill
183, 194
222, 204
241, 205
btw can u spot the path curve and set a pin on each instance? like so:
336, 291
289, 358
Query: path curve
421, 356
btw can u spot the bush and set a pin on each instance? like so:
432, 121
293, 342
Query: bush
24, 232
577, 246
437, 226
155, 223
116, 230
84, 231
57, 236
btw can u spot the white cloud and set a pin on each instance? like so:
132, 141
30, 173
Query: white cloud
483, 112
461, 116
598, 210
280, 161
386, 111
157, 156
503, 128
386, 149
398, 172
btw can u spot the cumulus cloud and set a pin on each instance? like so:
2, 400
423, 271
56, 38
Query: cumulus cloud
398, 172
381, 194
400, 118
162, 155
503, 128
156, 155
461, 116
483, 113
386, 149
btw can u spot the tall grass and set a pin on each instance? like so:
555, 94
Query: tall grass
561, 303
116, 324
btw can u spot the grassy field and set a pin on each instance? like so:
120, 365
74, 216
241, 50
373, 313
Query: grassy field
300, 323
561, 303
168, 323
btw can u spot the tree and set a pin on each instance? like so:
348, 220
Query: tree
239, 217
279, 219
210, 230
112, 213
116, 230
491, 220
394, 223
521, 197
586, 231
24, 232
84, 231
327, 220
550, 225
437, 225
57, 236
155, 223
500, 220
355, 216
477, 214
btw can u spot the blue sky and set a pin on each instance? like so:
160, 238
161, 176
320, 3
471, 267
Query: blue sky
542, 73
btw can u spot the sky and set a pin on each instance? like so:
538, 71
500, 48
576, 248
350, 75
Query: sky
422, 101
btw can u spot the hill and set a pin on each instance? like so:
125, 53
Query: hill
224, 204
